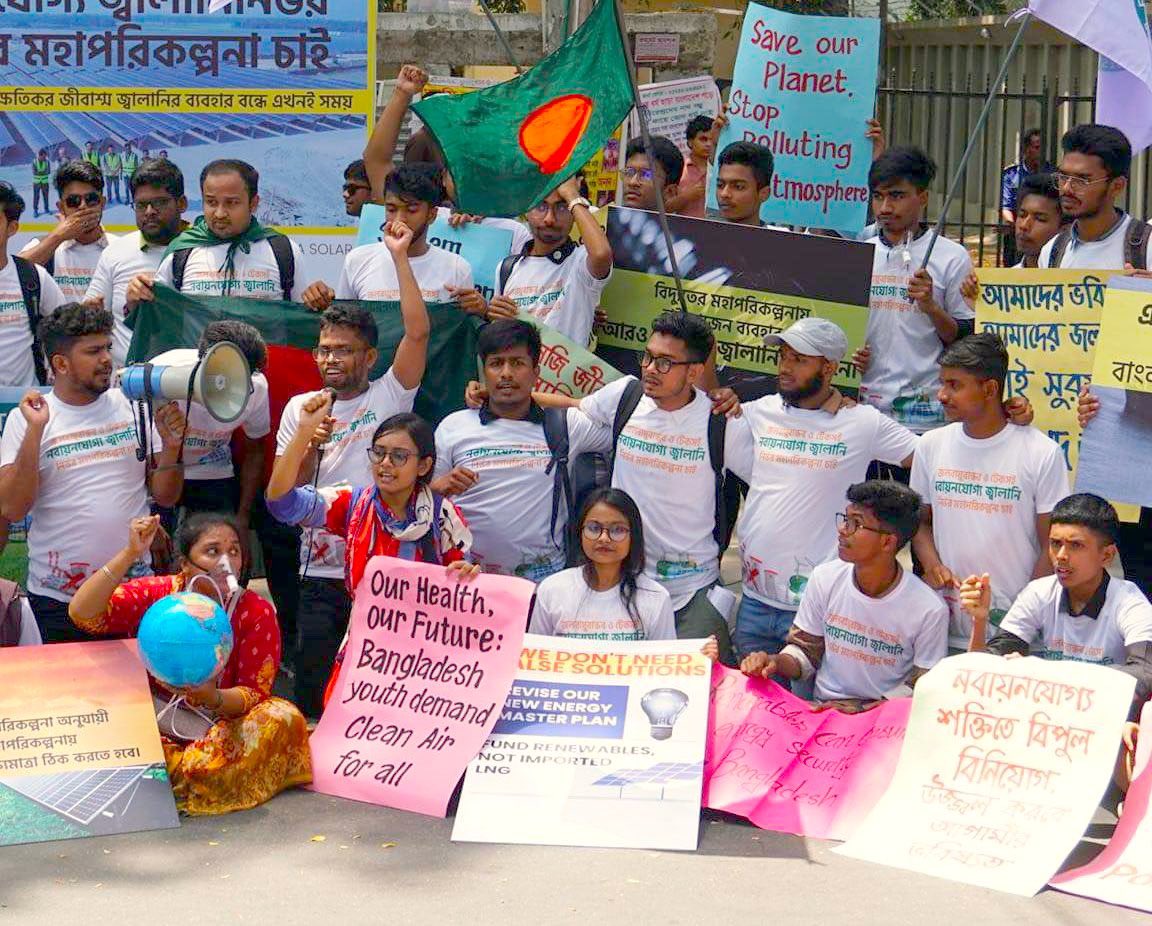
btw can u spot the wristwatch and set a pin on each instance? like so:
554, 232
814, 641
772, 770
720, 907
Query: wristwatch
579, 201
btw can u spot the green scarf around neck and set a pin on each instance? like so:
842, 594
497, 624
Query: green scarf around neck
199, 235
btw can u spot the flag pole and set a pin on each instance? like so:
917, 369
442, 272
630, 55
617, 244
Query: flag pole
503, 39
1025, 19
642, 118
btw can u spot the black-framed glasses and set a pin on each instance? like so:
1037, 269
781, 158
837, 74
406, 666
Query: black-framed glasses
638, 173
354, 187
662, 364
159, 204
594, 530
336, 353
88, 199
397, 456
848, 524
1077, 183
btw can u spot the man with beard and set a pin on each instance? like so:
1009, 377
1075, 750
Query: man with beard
157, 190
642, 172
69, 458
806, 448
345, 354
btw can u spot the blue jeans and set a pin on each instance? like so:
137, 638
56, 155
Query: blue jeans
760, 627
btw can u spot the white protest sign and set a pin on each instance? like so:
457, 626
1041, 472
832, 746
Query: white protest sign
1003, 765
673, 104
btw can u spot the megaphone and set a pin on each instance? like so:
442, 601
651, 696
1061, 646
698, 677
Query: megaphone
220, 380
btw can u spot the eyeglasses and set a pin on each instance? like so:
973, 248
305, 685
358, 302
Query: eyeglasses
560, 210
353, 187
88, 199
397, 456
594, 530
156, 205
1078, 183
638, 173
663, 364
849, 524
336, 353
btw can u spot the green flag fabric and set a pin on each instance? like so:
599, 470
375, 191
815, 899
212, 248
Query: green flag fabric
173, 320
509, 146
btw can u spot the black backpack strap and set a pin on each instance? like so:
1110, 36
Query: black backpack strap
179, 262
1059, 246
1136, 244
717, 429
507, 265
556, 436
29, 277
629, 399
281, 246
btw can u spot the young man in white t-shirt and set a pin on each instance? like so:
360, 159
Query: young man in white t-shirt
157, 192
20, 364
496, 463
345, 354
70, 460
988, 487
555, 280
914, 312
72, 249
804, 446
867, 629
1080, 613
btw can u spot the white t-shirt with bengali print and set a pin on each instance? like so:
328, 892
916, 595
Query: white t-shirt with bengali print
208, 442
903, 377
563, 296
1105, 253
802, 463
17, 368
985, 496
91, 486
370, 273
662, 462
509, 510
871, 645
1050, 632
74, 264
255, 274
122, 260
565, 606
345, 460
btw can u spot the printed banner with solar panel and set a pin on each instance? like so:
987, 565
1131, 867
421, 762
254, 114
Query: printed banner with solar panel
599, 744
283, 84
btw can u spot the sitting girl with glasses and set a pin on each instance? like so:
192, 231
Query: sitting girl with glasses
607, 596
398, 515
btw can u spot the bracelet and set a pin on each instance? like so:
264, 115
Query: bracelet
108, 572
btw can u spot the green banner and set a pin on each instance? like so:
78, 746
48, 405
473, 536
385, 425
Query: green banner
568, 368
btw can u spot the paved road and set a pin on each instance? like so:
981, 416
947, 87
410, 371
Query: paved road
262, 867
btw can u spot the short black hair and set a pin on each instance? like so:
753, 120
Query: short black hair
243, 335
892, 503
983, 355
422, 182
1026, 138
249, 174
696, 125
693, 331
505, 333
70, 322
664, 153
1039, 185
160, 173
903, 162
1090, 511
422, 434
355, 317
356, 171
1110, 145
757, 158
11, 202
78, 171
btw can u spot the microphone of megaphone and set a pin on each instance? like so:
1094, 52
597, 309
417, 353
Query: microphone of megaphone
220, 380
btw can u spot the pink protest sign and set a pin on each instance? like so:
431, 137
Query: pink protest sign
786, 768
1122, 873
429, 662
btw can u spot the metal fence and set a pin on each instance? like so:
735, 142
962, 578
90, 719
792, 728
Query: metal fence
940, 119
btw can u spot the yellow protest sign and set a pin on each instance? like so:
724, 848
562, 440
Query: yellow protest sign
1124, 353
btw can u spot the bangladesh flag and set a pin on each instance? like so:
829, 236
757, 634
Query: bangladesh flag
509, 146
173, 320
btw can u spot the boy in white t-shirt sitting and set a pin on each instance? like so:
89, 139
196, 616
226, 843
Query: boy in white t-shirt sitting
867, 629
1080, 613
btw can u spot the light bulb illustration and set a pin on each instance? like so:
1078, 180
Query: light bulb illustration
663, 707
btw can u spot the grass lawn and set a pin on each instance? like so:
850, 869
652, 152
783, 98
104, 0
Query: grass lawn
14, 562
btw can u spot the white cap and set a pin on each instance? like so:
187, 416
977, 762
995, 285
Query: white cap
813, 337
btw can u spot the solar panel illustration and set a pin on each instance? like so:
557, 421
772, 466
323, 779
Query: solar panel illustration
79, 796
662, 773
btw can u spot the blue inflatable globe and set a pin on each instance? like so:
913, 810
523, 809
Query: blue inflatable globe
185, 639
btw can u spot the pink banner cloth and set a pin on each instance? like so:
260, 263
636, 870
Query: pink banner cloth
428, 665
774, 760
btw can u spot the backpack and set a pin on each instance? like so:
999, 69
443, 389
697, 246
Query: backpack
281, 250
11, 612
1135, 245
592, 469
29, 278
